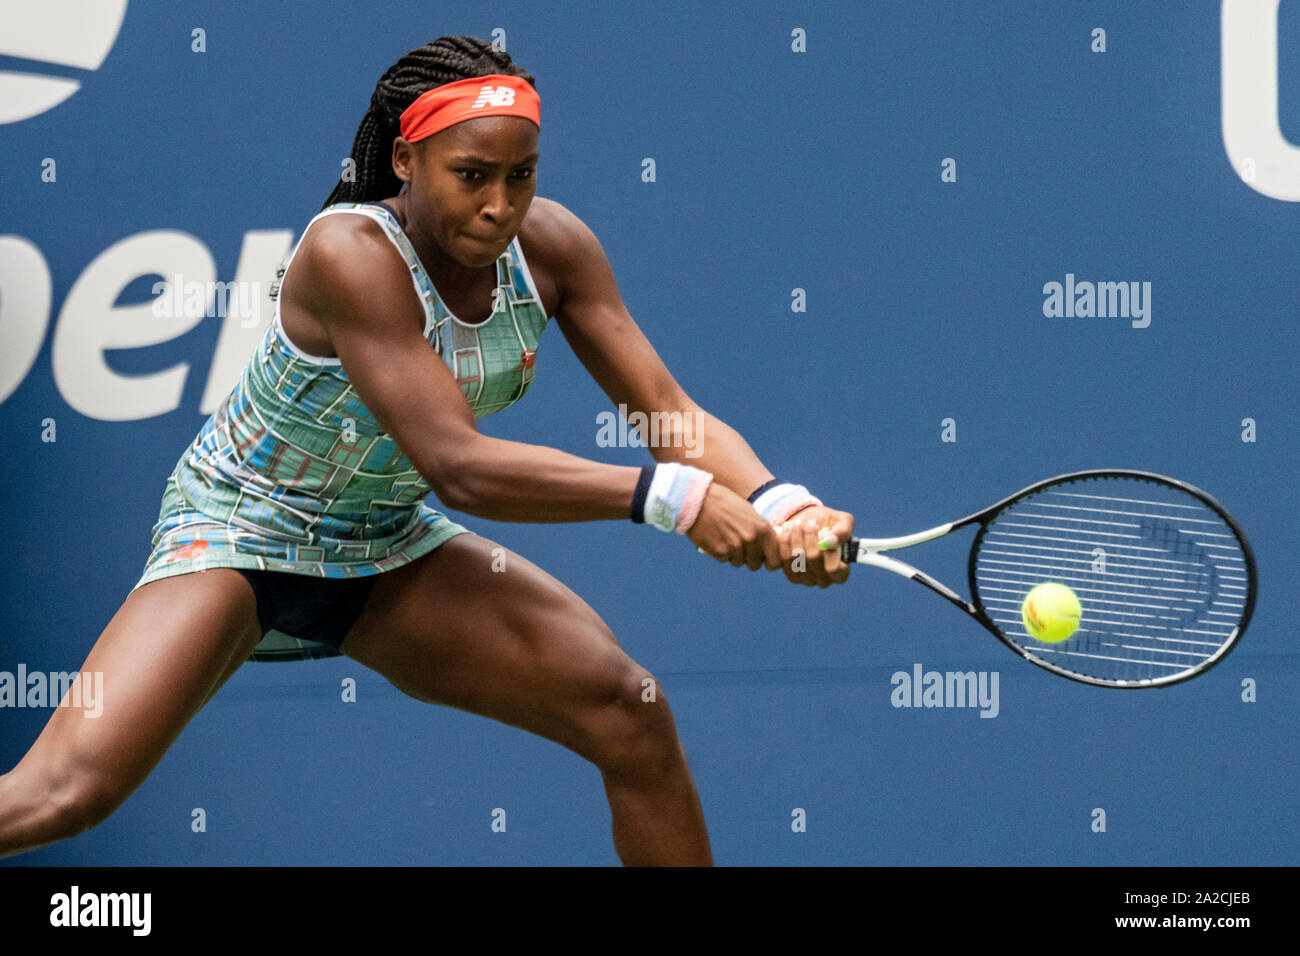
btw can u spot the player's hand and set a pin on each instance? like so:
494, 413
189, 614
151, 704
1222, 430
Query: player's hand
729, 529
804, 559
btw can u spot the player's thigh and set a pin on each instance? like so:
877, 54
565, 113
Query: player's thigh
164, 653
478, 627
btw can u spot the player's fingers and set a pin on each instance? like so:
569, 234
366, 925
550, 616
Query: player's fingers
796, 559
772, 558
755, 553
837, 569
816, 562
791, 552
787, 550
796, 569
829, 545
805, 566
736, 554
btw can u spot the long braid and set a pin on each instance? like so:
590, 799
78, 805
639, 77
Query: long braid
445, 60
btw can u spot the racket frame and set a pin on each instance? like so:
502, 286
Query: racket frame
867, 551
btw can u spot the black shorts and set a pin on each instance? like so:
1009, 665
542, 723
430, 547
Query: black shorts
314, 610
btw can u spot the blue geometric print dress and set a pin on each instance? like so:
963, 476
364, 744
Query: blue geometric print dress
292, 473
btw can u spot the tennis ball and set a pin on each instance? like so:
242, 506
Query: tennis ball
1051, 612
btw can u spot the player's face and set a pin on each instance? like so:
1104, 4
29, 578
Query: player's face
470, 185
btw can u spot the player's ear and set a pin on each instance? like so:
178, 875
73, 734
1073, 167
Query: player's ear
403, 159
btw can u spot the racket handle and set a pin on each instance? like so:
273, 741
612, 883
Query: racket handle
848, 551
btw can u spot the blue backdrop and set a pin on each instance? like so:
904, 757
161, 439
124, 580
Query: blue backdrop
776, 170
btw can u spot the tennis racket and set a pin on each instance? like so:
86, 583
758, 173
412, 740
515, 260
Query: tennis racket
1165, 576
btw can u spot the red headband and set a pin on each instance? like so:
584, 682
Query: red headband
496, 94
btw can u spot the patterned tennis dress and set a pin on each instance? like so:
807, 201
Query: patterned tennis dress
292, 472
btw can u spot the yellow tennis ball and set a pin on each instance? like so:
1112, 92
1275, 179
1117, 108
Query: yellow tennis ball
1051, 612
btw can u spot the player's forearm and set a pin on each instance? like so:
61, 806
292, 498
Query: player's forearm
512, 481
699, 439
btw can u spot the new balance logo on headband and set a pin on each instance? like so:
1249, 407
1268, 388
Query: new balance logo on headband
494, 96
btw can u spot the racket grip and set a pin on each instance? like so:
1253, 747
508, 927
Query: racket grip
848, 551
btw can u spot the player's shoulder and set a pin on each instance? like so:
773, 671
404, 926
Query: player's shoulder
340, 235
344, 258
348, 246
554, 238
547, 219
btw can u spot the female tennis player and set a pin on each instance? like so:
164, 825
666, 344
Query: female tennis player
294, 526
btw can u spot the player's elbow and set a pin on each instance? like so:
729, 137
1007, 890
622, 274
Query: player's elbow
452, 487
456, 495
454, 479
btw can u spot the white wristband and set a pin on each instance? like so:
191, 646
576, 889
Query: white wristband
671, 488
778, 503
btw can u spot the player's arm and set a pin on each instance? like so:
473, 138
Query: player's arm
622, 361
360, 289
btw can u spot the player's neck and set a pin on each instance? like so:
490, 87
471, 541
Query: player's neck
448, 276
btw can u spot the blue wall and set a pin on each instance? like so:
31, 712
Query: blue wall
776, 170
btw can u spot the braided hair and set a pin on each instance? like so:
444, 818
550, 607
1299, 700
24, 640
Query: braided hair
445, 60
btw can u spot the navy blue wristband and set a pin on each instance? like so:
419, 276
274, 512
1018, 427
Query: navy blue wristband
764, 487
642, 490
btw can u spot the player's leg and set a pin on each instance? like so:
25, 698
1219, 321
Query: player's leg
477, 627
169, 647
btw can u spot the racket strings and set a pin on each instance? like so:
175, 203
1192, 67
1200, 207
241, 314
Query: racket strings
1162, 578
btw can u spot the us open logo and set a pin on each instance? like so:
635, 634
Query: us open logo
1263, 159
60, 33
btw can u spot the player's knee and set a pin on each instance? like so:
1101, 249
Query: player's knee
635, 734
